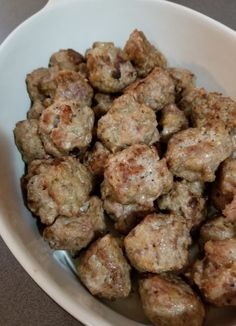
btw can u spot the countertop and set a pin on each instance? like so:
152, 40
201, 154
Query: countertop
22, 302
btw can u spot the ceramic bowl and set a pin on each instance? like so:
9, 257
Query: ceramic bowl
187, 38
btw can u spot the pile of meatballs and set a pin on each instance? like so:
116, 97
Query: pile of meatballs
117, 137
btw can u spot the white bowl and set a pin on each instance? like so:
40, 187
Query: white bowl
187, 38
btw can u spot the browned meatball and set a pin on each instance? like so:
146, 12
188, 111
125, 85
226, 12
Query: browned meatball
217, 229
109, 70
136, 176
65, 126
125, 216
156, 90
57, 187
186, 199
159, 243
33, 81
168, 301
215, 275
75, 233
224, 189
183, 79
104, 270
172, 120
67, 86
127, 123
38, 97
104, 102
67, 59
28, 141
195, 153
96, 159
205, 107
143, 54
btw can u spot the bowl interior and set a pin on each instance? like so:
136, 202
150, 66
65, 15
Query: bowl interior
187, 39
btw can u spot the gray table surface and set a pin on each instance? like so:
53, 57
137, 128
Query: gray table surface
22, 302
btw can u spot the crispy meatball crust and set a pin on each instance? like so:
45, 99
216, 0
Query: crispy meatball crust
28, 141
109, 70
215, 275
172, 120
195, 153
156, 90
96, 159
65, 126
158, 244
33, 82
75, 233
104, 270
217, 229
168, 301
127, 123
224, 189
66, 59
186, 199
143, 54
136, 176
125, 216
57, 187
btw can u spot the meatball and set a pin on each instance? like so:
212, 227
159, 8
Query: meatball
217, 229
172, 120
96, 159
168, 301
125, 216
158, 244
195, 153
104, 270
186, 199
65, 126
104, 102
67, 59
109, 70
136, 176
57, 187
67, 86
215, 275
75, 233
28, 141
143, 54
33, 82
127, 123
205, 108
156, 90
224, 189
183, 80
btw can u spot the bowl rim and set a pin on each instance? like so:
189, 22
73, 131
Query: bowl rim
38, 274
